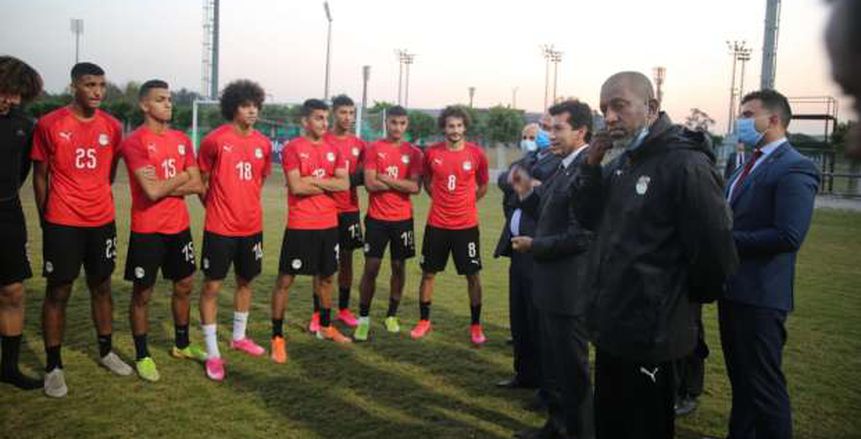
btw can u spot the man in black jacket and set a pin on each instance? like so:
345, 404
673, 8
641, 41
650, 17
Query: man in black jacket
559, 251
19, 83
539, 165
663, 242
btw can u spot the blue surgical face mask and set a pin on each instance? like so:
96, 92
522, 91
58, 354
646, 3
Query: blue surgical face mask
542, 140
528, 145
745, 128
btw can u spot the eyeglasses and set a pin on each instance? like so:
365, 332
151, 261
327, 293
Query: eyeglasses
527, 138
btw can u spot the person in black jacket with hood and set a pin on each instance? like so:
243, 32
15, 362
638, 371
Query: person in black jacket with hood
663, 243
19, 84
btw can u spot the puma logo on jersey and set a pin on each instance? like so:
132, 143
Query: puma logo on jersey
304, 156
67, 135
228, 148
437, 161
381, 155
650, 374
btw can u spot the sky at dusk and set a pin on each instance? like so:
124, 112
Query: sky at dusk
490, 45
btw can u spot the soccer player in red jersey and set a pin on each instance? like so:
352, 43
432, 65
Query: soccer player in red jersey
234, 162
162, 171
392, 171
352, 149
19, 85
314, 170
455, 176
75, 153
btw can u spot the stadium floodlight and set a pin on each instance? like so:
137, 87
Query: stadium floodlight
328, 49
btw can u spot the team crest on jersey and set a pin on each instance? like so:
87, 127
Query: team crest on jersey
181, 149
406, 159
49, 267
355, 152
103, 139
258, 153
139, 272
643, 184
330, 156
296, 264
151, 148
206, 263
467, 165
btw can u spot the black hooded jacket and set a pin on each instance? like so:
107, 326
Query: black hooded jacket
16, 133
664, 243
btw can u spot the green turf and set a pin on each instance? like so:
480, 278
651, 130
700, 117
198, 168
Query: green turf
393, 386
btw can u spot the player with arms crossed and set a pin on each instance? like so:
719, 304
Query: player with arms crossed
392, 172
162, 171
314, 169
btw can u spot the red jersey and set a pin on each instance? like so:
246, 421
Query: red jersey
169, 153
397, 161
454, 178
352, 150
237, 166
79, 156
320, 160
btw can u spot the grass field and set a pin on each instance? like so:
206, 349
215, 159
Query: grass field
393, 386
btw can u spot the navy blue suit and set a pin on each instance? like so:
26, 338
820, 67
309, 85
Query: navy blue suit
772, 209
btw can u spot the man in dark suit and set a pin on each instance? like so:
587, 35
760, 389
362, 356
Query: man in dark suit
772, 202
735, 161
539, 164
559, 251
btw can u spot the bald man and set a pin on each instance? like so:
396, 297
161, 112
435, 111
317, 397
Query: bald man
663, 244
843, 40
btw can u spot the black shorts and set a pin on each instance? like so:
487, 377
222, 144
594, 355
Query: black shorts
462, 244
349, 231
244, 252
14, 260
65, 248
399, 234
173, 253
309, 252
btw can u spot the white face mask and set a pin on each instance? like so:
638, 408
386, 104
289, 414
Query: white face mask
528, 145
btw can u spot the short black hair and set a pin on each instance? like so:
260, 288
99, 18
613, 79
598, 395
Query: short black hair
238, 93
149, 85
772, 101
313, 104
342, 101
86, 68
454, 111
396, 110
579, 115
17, 77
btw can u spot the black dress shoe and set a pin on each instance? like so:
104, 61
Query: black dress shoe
536, 404
514, 383
547, 431
686, 406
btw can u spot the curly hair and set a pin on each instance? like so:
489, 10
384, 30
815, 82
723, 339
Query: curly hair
238, 93
17, 77
455, 111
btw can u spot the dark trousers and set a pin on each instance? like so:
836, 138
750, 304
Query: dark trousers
565, 374
633, 400
752, 338
692, 368
524, 320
